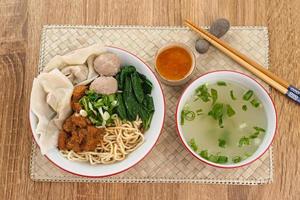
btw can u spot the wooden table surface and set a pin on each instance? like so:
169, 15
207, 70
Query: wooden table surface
20, 28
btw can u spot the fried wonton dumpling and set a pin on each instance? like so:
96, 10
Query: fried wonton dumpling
50, 103
78, 65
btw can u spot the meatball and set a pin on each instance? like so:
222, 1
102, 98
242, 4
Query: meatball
107, 64
104, 85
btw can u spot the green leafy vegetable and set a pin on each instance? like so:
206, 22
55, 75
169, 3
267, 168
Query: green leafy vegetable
221, 83
214, 95
125, 71
232, 95
148, 103
127, 90
192, 144
146, 84
129, 99
131, 106
236, 159
230, 111
244, 107
146, 117
222, 143
118, 78
255, 103
244, 141
248, 95
137, 87
135, 96
121, 110
202, 93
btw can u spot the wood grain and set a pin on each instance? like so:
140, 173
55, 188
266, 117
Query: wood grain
21, 23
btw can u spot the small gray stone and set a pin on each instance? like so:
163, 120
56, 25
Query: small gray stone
219, 27
201, 45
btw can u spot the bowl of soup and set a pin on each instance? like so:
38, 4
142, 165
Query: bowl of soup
174, 63
226, 119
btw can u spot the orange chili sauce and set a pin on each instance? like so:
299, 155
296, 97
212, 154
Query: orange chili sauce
174, 63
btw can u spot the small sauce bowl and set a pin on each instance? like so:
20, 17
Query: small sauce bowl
174, 63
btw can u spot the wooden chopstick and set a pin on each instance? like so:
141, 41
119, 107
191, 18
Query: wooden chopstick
270, 78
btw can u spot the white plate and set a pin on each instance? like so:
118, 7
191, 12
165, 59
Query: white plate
151, 135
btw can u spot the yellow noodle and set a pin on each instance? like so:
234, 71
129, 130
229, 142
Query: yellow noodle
118, 141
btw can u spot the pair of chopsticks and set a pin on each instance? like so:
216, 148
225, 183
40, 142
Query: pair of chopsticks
276, 82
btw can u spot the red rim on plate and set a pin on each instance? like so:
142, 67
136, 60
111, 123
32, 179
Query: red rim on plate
164, 110
202, 159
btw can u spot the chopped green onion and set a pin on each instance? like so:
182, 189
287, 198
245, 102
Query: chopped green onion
214, 95
244, 141
237, 159
204, 154
217, 112
202, 93
254, 135
199, 111
230, 111
232, 96
189, 115
182, 117
221, 83
222, 143
248, 95
192, 144
213, 158
259, 129
244, 107
255, 103
222, 159
247, 154
221, 123
186, 115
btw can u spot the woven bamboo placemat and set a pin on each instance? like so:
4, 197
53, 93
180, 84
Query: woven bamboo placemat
169, 161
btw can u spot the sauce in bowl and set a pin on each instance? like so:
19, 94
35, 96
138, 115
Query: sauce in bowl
174, 63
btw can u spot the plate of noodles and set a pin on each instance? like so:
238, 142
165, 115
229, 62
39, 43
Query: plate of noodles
96, 111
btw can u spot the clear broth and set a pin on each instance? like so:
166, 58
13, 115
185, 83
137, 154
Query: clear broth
206, 132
